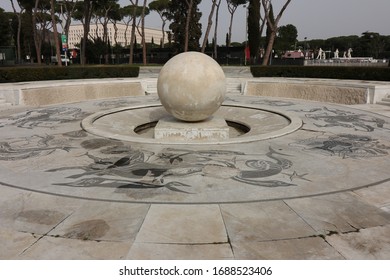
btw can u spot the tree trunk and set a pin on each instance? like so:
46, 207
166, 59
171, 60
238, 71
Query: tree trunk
53, 19
188, 19
216, 31
272, 26
210, 23
19, 16
35, 33
268, 51
132, 38
163, 32
143, 33
230, 30
86, 24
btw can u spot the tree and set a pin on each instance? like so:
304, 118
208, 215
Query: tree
133, 26
215, 30
287, 37
103, 13
126, 14
269, 21
40, 23
65, 10
84, 12
254, 27
273, 26
161, 7
145, 11
6, 21
19, 17
232, 7
209, 24
56, 41
185, 25
373, 43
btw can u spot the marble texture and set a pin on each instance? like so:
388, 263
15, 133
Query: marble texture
191, 86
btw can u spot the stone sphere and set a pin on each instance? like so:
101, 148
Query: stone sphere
191, 86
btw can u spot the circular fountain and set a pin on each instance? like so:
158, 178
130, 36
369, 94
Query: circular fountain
191, 89
135, 151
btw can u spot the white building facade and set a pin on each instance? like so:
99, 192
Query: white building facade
117, 34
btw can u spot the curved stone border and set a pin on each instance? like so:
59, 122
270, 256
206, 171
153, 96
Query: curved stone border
69, 91
347, 92
295, 123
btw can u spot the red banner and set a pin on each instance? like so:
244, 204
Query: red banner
247, 53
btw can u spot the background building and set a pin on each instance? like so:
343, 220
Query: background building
117, 34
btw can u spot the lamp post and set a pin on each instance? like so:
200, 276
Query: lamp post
64, 39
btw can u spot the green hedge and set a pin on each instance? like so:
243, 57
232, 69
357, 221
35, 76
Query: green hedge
325, 72
23, 74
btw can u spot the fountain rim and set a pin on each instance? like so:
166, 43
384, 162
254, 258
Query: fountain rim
294, 125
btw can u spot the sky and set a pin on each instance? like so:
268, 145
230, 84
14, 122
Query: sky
314, 19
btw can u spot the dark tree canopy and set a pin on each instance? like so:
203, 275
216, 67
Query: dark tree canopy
287, 37
254, 27
178, 10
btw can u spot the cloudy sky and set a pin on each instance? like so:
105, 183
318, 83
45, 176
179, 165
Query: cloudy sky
314, 19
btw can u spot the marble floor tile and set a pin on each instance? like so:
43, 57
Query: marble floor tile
342, 212
103, 221
367, 244
52, 248
312, 248
183, 224
150, 251
263, 221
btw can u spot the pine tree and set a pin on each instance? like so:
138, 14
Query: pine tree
254, 27
180, 12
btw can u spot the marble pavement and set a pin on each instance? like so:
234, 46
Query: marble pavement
320, 192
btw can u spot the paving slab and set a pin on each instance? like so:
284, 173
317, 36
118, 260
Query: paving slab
367, 244
103, 222
338, 213
14, 243
178, 224
153, 251
263, 222
378, 196
312, 248
56, 248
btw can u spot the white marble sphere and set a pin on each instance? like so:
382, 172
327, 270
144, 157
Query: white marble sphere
191, 86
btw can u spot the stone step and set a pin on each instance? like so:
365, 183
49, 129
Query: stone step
387, 103
231, 87
149, 72
4, 103
230, 71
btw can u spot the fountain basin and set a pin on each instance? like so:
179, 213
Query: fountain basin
246, 123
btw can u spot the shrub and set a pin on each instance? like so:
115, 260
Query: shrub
24, 74
325, 72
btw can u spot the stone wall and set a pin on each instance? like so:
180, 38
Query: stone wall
316, 92
58, 94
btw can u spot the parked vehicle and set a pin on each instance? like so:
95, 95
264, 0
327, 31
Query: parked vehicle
64, 60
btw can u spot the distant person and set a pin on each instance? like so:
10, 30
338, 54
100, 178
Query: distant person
320, 53
349, 54
336, 53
